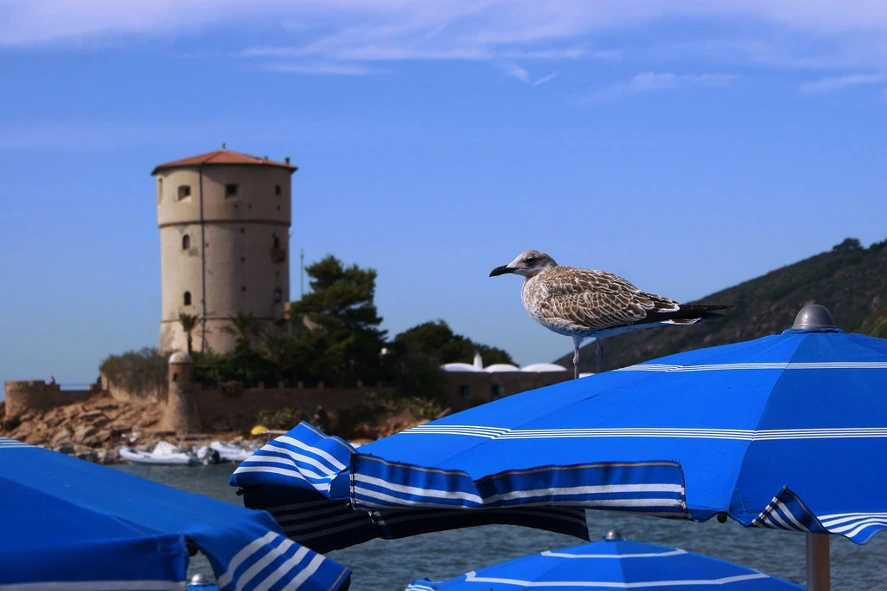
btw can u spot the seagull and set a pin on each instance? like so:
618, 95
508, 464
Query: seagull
585, 303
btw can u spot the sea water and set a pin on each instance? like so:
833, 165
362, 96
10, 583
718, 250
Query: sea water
389, 565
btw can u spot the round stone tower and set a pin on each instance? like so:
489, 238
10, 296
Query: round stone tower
182, 414
224, 222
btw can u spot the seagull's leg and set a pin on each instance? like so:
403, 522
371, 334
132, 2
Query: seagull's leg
576, 342
600, 353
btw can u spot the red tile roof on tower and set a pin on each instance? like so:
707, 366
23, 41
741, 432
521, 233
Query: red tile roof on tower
223, 156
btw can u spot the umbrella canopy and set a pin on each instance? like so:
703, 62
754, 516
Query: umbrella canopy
787, 431
300, 478
613, 563
70, 524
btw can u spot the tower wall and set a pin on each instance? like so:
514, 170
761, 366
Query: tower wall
245, 269
182, 414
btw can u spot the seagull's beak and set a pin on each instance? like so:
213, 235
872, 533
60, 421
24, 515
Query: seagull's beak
501, 271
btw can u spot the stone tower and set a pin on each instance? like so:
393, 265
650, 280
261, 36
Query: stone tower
224, 221
182, 414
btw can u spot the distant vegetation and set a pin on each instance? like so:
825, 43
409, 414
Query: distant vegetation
849, 280
333, 336
438, 342
138, 372
373, 406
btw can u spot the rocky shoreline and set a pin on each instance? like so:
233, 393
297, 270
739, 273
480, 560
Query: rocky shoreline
94, 429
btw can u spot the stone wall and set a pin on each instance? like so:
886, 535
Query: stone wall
466, 389
120, 393
25, 395
220, 411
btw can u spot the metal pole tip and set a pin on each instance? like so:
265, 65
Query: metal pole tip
613, 534
814, 316
199, 579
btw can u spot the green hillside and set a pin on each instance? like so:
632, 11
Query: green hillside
851, 281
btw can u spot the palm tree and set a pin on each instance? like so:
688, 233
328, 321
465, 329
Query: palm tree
244, 325
189, 323
273, 346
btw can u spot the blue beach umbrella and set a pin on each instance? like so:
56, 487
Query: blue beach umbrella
787, 431
72, 525
301, 479
613, 563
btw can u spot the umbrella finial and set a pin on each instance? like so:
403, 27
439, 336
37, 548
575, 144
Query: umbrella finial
199, 579
814, 316
613, 535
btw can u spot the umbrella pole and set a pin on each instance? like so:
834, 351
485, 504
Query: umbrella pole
818, 573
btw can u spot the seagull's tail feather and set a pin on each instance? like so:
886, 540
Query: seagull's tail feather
688, 314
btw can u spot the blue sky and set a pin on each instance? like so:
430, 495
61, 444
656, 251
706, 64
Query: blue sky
685, 147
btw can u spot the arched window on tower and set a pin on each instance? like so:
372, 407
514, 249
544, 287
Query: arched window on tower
277, 242
186, 242
187, 298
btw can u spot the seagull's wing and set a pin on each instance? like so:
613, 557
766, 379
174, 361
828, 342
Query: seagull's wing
597, 300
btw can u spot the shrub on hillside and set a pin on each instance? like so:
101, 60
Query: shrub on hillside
285, 418
141, 373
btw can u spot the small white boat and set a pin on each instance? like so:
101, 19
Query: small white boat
229, 452
164, 453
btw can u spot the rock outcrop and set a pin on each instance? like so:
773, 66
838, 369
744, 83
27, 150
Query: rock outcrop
95, 428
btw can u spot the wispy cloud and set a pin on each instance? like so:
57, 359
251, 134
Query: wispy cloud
545, 79
486, 22
774, 50
657, 81
348, 32
408, 41
833, 84
515, 71
322, 69
369, 53
522, 74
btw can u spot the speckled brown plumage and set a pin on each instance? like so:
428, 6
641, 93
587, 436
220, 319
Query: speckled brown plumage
584, 303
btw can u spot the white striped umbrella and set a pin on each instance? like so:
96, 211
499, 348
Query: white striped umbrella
613, 563
787, 431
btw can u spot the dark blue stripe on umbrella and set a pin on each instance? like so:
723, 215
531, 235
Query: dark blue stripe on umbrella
654, 487
292, 477
315, 522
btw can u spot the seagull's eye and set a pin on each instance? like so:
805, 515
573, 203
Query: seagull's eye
530, 260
